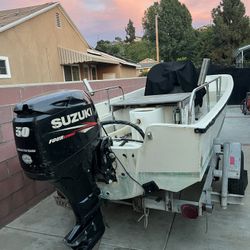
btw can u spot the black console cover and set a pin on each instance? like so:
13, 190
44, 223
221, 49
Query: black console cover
171, 77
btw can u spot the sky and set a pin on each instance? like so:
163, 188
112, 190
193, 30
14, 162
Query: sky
106, 19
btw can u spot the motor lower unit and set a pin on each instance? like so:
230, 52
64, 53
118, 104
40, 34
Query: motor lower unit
58, 139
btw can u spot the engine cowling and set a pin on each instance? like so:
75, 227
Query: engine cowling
52, 131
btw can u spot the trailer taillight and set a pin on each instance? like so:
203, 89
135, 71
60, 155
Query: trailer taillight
245, 106
189, 211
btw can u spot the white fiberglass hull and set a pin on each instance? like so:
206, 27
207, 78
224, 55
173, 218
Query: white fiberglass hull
173, 156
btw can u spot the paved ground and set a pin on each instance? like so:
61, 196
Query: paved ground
44, 226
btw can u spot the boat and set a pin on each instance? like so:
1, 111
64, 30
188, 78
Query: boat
178, 143
139, 148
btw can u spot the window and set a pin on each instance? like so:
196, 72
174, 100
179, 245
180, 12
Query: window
58, 21
67, 73
75, 73
4, 67
86, 72
71, 73
94, 72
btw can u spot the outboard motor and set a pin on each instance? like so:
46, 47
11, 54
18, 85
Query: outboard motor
58, 139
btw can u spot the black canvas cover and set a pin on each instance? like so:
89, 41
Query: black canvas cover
166, 77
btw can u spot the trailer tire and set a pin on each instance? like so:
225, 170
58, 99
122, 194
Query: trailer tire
238, 186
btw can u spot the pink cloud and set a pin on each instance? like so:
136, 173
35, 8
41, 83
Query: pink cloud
105, 19
201, 10
116, 14
109, 20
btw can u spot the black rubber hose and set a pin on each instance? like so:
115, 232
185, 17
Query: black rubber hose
139, 130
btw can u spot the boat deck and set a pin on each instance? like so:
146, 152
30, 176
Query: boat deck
168, 99
44, 226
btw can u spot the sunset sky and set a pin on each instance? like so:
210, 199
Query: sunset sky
106, 19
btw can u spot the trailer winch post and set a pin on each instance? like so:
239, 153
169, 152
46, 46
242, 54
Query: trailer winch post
225, 167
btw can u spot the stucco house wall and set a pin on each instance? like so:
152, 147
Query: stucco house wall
128, 72
108, 69
118, 71
32, 48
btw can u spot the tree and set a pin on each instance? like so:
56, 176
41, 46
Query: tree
176, 35
135, 51
139, 50
115, 49
204, 44
148, 22
118, 39
103, 45
231, 27
130, 31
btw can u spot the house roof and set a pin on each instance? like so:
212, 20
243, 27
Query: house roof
69, 56
13, 17
110, 57
148, 60
147, 63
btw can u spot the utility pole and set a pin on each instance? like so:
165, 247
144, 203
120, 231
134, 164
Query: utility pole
157, 39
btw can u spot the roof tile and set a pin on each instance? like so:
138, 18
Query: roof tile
9, 16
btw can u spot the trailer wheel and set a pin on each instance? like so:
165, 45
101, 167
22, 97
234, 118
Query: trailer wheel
238, 186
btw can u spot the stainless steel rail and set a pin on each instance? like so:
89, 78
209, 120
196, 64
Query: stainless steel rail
206, 86
92, 92
203, 72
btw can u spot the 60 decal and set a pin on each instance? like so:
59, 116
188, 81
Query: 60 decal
22, 131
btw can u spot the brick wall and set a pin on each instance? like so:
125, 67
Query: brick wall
17, 192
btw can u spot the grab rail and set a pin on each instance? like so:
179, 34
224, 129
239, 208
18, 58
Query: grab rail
92, 92
203, 72
204, 85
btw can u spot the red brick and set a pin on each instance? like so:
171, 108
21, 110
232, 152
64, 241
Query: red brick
27, 180
28, 92
11, 185
5, 207
6, 114
72, 86
40, 197
1, 135
6, 132
127, 85
23, 208
41, 186
13, 215
4, 172
10, 95
29, 192
8, 150
50, 88
17, 199
57, 87
97, 96
22, 196
14, 166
